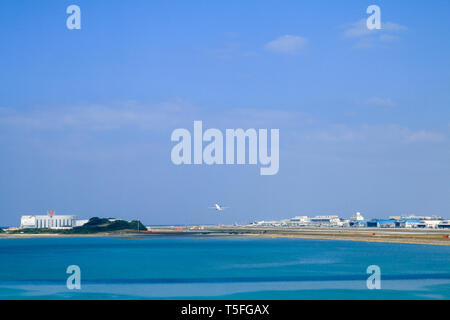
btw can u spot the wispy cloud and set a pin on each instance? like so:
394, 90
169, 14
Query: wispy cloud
423, 136
381, 102
232, 47
167, 116
287, 44
388, 133
94, 117
144, 117
366, 38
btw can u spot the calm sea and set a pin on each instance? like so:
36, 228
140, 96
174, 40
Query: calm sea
215, 268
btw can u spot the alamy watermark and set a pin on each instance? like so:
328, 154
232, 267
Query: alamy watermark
74, 280
374, 21
74, 20
374, 280
235, 151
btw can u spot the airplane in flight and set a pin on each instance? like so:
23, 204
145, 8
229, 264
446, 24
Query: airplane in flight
218, 207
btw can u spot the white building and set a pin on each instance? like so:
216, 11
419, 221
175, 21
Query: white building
432, 224
327, 221
267, 223
357, 217
412, 216
413, 221
49, 221
299, 221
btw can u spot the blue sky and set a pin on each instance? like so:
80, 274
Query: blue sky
86, 115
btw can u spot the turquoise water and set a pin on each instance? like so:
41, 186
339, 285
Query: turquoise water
219, 268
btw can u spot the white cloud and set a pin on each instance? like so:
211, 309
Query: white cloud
287, 44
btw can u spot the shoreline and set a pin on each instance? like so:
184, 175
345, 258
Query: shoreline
381, 236
378, 240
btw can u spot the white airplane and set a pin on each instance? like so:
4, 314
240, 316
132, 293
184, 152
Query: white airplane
218, 207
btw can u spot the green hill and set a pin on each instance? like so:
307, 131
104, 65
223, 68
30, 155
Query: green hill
98, 225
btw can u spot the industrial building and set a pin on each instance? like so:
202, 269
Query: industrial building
357, 221
304, 221
50, 221
410, 221
326, 221
381, 223
299, 221
444, 224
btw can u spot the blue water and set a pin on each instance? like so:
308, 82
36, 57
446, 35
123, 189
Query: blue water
219, 268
